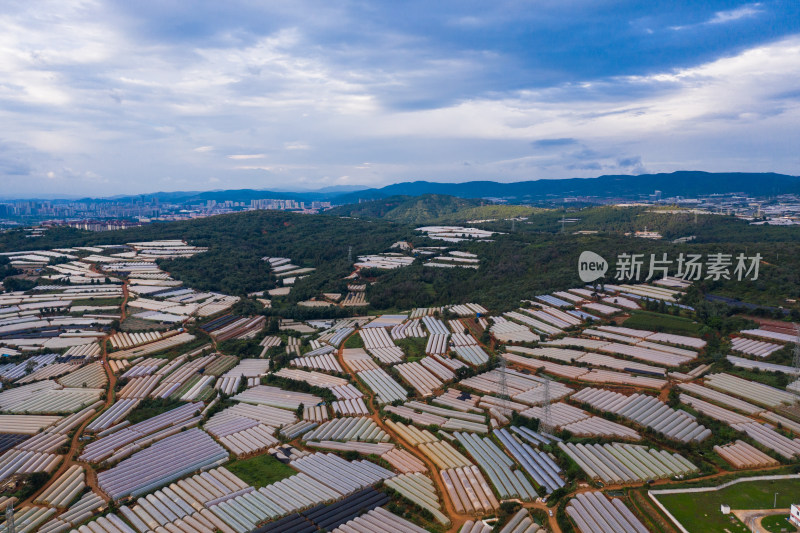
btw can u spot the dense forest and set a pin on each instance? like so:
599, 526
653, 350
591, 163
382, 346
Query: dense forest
531, 257
236, 244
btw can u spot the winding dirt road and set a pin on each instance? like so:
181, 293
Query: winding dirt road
449, 509
70, 457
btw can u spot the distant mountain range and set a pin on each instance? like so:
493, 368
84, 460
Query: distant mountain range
682, 183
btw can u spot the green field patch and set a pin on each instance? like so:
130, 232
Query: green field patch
91, 301
777, 523
354, 341
150, 407
261, 470
699, 512
131, 324
413, 347
662, 323
773, 379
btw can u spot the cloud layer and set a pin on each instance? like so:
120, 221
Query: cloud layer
126, 97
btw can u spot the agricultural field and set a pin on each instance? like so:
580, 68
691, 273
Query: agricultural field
661, 322
437, 395
261, 470
701, 511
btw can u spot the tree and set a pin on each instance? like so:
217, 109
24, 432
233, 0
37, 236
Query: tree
674, 398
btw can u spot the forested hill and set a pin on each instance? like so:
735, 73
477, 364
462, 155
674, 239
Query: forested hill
529, 257
407, 209
682, 183
236, 244
432, 209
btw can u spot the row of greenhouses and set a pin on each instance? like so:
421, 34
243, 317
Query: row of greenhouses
626, 463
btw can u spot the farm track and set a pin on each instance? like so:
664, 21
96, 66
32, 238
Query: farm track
638, 501
70, 456
457, 520
646, 508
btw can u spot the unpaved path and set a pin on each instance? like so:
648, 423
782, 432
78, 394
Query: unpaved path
70, 457
457, 519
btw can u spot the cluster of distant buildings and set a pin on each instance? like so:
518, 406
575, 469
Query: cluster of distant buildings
781, 210
112, 215
117, 214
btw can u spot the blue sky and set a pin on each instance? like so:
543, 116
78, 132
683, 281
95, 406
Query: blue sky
105, 98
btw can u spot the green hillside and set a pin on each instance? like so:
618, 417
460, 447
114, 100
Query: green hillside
408, 209
237, 242
497, 212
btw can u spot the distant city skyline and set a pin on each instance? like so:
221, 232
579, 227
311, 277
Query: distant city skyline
101, 98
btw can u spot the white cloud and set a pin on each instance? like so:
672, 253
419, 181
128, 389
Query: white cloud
296, 146
747, 11
247, 156
253, 167
82, 88
725, 17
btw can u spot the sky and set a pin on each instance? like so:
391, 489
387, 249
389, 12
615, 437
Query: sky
115, 97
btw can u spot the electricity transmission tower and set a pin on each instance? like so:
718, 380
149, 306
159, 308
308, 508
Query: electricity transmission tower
796, 360
502, 393
10, 526
796, 365
350, 254
546, 423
